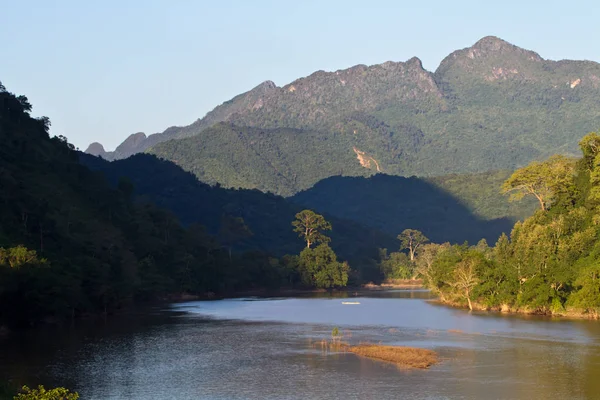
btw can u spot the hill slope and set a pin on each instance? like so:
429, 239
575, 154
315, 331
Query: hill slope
268, 216
392, 204
487, 107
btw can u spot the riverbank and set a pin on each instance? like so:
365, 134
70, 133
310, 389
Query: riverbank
509, 310
395, 284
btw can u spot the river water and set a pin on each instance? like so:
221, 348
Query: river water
270, 349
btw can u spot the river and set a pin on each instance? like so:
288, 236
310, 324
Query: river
268, 348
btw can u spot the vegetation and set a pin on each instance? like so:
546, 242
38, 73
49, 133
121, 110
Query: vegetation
72, 244
43, 394
412, 240
319, 266
395, 118
543, 180
549, 264
266, 216
393, 204
309, 225
410, 357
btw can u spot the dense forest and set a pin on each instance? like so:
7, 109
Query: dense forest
73, 244
267, 216
550, 264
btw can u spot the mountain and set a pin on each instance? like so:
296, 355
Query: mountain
366, 213
491, 106
393, 203
268, 216
72, 243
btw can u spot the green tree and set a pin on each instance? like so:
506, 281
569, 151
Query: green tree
396, 265
587, 294
465, 278
543, 180
46, 394
16, 257
320, 267
310, 226
412, 240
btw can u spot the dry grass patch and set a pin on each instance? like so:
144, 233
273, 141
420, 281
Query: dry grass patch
402, 356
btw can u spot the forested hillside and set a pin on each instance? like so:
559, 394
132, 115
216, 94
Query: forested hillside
393, 203
267, 216
550, 262
492, 106
72, 244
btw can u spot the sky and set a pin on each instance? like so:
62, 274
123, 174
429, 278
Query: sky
102, 70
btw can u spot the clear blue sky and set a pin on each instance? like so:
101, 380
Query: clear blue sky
102, 70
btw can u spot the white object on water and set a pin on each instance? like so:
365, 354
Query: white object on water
350, 302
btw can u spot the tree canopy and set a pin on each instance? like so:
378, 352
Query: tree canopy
549, 264
543, 180
310, 226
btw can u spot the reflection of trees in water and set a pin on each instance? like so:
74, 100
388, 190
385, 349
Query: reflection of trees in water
529, 369
384, 294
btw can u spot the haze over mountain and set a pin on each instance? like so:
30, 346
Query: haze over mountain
489, 106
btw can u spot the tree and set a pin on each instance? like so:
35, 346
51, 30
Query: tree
412, 239
427, 256
587, 296
465, 278
396, 265
320, 267
18, 256
544, 180
309, 225
590, 147
46, 394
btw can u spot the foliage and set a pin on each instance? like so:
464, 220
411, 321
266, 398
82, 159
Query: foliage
550, 262
266, 215
543, 180
335, 333
320, 268
396, 265
309, 225
498, 110
71, 244
393, 204
412, 240
46, 394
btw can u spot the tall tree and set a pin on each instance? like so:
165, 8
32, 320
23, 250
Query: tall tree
465, 278
320, 267
544, 180
310, 226
412, 240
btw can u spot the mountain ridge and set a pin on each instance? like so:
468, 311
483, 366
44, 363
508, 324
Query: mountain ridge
260, 96
490, 106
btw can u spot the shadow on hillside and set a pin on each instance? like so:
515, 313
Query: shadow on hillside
393, 203
268, 216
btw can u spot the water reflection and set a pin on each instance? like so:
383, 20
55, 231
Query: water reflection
255, 348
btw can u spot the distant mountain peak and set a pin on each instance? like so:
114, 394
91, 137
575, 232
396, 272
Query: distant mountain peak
96, 149
491, 58
266, 85
490, 45
415, 61
491, 42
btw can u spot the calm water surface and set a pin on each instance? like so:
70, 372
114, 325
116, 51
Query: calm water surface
268, 349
